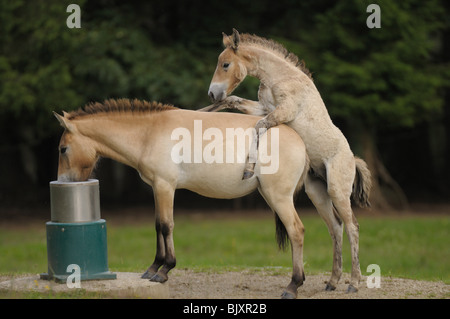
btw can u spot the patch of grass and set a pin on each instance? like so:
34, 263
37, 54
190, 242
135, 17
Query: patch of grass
408, 247
23, 250
413, 247
74, 294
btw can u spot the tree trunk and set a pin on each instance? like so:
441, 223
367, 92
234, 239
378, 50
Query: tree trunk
386, 193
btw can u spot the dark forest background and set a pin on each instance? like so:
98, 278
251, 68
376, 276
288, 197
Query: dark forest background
386, 88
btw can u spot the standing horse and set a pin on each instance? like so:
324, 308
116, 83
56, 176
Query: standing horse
147, 137
288, 95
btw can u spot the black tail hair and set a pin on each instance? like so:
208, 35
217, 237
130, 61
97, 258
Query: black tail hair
281, 234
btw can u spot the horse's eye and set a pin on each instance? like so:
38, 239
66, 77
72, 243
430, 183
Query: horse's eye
63, 150
226, 65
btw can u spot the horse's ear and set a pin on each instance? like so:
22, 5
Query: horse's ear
63, 121
235, 40
226, 40
231, 41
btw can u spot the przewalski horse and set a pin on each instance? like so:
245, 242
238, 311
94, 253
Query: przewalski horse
169, 148
288, 95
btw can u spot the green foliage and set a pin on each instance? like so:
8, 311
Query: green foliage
45, 66
134, 50
383, 76
167, 51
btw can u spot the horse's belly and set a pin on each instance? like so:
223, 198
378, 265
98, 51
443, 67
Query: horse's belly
216, 180
322, 140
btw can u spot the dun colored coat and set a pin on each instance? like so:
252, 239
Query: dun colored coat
146, 137
287, 95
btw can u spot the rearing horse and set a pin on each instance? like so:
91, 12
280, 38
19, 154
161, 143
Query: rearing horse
147, 136
287, 95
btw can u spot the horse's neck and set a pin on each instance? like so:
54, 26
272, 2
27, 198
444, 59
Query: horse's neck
269, 67
115, 139
276, 72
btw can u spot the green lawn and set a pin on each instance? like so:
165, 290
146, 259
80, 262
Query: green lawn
408, 247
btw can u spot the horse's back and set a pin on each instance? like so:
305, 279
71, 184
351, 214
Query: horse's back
218, 145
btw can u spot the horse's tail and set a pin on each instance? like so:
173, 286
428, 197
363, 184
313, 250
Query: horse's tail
280, 229
281, 233
362, 183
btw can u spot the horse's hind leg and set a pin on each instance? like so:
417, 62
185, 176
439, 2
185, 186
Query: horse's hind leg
317, 191
343, 206
285, 210
340, 181
295, 230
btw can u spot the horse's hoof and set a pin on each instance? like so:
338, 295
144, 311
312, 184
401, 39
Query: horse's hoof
288, 295
351, 289
247, 174
329, 287
158, 278
147, 275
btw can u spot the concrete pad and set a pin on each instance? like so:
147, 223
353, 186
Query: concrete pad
127, 285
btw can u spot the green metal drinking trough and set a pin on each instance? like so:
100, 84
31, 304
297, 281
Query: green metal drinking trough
76, 235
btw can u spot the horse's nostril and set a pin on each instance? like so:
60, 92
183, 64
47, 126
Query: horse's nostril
219, 97
211, 95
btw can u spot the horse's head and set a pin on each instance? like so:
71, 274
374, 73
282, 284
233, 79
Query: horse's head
77, 155
230, 70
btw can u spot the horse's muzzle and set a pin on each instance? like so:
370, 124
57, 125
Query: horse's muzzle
217, 92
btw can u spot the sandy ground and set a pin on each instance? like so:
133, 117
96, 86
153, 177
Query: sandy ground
248, 284
267, 284
127, 285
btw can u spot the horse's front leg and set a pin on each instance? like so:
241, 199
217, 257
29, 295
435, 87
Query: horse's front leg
165, 255
261, 127
160, 251
228, 103
252, 108
285, 112
236, 103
